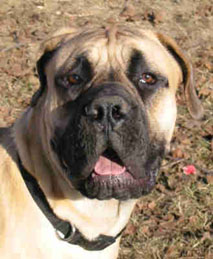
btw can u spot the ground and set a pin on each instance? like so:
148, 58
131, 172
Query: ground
176, 219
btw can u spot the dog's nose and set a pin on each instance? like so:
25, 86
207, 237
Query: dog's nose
108, 112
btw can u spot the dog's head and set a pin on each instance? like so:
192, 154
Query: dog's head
108, 101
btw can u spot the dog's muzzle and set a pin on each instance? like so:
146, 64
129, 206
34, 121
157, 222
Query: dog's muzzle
105, 150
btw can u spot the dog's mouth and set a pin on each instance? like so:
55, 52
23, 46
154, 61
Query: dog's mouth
121, 175
110, 178
109, 163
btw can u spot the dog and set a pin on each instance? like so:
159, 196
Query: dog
91, 142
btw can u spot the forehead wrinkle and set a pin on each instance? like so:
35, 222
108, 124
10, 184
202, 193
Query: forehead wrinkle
111, 35
76, 45
108, 52
97, 53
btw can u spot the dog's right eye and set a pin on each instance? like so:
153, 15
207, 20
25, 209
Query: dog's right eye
147, 78
74, 79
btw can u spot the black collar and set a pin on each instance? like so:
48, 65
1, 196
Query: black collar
64, 230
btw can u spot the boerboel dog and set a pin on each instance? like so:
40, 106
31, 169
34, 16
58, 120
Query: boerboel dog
91, 142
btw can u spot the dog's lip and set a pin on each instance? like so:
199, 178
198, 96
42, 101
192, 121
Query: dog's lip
123, 186
124, 175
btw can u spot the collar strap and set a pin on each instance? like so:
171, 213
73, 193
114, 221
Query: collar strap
64, 230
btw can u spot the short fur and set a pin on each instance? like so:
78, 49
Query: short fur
48, 140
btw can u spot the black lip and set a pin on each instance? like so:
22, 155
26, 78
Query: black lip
121, 187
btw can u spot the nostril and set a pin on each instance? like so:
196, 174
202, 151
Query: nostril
116, 112
99, 113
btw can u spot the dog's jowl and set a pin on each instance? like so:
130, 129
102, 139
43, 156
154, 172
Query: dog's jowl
91, 143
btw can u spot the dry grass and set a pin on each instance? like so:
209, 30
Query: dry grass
176, 219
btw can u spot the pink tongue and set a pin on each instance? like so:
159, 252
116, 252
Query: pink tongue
105, 166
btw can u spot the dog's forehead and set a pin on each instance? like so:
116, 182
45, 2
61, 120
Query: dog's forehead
106, 49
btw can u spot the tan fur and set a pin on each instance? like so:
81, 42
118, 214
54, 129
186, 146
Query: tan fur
25, 232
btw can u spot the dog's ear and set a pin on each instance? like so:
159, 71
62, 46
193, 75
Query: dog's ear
193, 103
49, 47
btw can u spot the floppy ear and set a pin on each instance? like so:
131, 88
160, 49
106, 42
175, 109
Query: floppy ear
49, 47
193, 103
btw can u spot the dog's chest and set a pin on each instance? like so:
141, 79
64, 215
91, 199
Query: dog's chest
42, 243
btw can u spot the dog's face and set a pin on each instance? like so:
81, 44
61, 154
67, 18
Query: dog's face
108, 97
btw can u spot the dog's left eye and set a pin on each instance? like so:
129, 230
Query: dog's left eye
74, 79
148, 78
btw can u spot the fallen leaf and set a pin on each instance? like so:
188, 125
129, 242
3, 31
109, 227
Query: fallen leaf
205, 91
206, 235
130, 229
209, 179
209, 66
145, 230
128, 11
172, 252
193, 219
177, 153
154, 16
152, 205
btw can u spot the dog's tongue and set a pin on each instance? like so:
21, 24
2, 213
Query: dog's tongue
104, 166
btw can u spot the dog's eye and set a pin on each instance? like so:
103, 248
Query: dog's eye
148, 79
74, 79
